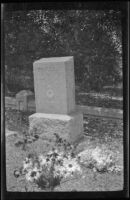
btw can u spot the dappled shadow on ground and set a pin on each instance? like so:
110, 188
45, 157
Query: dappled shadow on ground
99, 101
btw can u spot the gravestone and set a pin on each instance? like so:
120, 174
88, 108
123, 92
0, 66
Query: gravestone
22, 99
54, 87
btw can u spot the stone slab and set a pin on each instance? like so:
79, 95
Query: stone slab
69, 127
101, 112
54, 85
8, 132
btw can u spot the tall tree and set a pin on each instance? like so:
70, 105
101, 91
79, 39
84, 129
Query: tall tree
92, 37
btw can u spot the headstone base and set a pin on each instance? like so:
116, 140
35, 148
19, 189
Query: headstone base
68, 127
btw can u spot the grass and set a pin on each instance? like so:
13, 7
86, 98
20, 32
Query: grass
97, 132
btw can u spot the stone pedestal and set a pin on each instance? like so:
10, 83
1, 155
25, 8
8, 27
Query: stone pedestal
69, 127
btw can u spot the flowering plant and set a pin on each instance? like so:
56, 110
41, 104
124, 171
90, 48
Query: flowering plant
100, 160
47, 171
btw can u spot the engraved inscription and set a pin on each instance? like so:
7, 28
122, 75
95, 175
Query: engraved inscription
50, 93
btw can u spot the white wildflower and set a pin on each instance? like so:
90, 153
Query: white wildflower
37, 174
116, 168
27, 164
96, 154
29, 177
102, 159
59, 171
33, 174
60, 156
50, 153
71, 165
42, 160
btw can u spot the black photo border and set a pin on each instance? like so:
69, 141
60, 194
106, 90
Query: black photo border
91, 5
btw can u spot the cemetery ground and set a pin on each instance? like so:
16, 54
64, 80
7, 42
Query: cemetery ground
98, 132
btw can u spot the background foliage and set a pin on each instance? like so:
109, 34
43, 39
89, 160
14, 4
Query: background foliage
92, 37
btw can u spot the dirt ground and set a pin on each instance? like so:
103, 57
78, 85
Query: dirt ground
96, 132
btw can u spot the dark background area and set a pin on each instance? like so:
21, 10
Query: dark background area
92, 34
